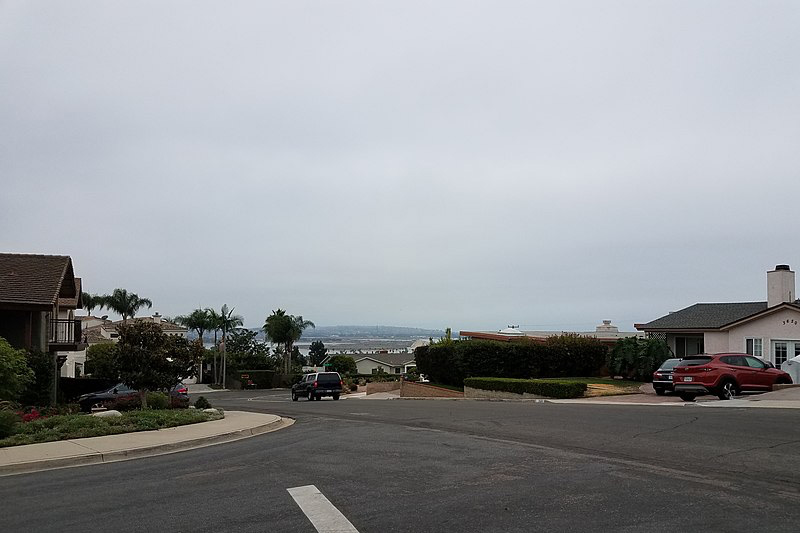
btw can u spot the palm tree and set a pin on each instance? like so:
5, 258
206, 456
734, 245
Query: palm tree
125, 304
200, 321
92, 301
214, 320
278, 328
285, 329
227, 323
298, 325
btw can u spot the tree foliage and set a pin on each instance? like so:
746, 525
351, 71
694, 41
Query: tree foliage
124, 303
150, 360
343, 364
15, 375
285, 329
637, 358
246, 352
317, 353
198, 321
450, 361
101, 361
92, 301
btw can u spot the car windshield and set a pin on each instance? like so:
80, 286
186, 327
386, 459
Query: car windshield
694, 361
669, 364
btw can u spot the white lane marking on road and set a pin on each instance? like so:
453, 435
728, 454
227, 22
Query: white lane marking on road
320, 511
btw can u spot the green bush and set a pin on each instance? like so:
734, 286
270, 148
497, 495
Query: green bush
637, 359
550, 389
157, 400
559, 356
101, 361
38, 390
8, 422
202, 403
14, 372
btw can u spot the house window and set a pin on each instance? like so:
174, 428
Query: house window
397, 370
781, 350
754, 347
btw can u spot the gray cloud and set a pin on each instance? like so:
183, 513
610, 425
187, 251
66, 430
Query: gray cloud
469, 164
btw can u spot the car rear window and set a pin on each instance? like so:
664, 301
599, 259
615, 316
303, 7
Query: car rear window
669, 364
694, 361
328, 377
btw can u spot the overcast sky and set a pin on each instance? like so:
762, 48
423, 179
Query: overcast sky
433, 164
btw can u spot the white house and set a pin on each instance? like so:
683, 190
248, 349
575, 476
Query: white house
375, 363
770, 329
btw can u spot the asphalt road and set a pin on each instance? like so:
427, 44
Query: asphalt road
437, 465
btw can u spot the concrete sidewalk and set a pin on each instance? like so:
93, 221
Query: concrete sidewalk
202, 388
47, 455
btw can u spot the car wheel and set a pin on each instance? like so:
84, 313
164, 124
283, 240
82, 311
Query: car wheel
688, 396
728, 390
659, 391
294, 396
335, 396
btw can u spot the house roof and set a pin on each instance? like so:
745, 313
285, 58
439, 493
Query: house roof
391, 359
73, 302
165, 325
705, 316
35, 280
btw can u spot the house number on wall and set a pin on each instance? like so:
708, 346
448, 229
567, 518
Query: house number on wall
790, 321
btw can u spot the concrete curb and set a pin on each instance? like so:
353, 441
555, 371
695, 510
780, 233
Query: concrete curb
94, 457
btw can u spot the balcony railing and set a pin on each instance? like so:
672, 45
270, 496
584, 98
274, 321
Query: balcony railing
65, 331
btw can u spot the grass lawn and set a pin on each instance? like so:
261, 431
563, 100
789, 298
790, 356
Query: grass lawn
78, 426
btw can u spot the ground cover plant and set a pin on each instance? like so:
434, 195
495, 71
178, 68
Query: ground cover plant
539, 387
75, 426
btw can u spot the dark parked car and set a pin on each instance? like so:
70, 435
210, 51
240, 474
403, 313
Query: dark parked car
315, 386
662, 378
725, 374
123, 397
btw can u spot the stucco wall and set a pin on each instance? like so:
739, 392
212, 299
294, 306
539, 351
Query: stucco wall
781, 325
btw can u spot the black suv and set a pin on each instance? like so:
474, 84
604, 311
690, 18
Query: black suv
315, 386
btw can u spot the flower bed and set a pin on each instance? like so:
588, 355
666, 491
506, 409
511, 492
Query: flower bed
75, 426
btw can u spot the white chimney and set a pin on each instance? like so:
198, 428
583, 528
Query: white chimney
157, 318
780, 285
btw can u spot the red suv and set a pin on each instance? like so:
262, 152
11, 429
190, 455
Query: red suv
724, 374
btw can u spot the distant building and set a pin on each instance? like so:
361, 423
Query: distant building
606, 333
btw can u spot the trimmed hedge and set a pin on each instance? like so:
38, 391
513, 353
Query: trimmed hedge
558, 356
551, 389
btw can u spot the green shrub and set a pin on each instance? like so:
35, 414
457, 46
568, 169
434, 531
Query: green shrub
101, 361
38, 390
14, 372
8, 422
559, 356
637, 359
202, 403
550, 389
157, 400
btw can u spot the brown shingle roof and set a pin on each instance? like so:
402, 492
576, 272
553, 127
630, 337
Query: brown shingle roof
73, 303
34, 279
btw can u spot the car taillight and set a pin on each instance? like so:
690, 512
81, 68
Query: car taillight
315, 384
183, 391
341, 382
